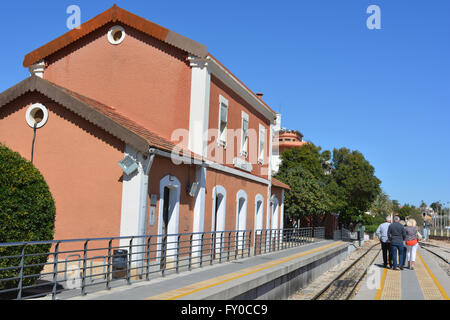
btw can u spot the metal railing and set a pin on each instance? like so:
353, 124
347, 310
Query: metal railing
38, 269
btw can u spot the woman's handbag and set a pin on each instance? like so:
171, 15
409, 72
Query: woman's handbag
412, 242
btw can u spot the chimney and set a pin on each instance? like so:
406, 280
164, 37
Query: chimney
260, 95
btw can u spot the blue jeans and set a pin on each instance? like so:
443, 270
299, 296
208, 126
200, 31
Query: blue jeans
425, 233
401, 257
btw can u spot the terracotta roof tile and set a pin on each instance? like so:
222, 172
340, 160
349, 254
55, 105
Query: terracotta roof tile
279, 184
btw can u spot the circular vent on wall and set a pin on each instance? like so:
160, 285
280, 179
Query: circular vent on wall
116, 35
37, 115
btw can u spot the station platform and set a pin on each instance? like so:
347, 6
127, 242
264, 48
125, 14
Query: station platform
267, 276
428, 281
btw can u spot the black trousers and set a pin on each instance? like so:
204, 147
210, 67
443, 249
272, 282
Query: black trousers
387, 252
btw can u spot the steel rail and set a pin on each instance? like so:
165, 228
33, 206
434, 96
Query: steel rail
436, 254
328, 286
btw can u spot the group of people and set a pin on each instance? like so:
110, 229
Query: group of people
398, 239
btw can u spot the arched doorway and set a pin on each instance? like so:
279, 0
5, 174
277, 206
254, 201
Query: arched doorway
259, 213
241, 216
275, 213
168, 218
259, 209
218, 216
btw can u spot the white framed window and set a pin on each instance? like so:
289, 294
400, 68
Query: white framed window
261, 144
244, 135
223, 121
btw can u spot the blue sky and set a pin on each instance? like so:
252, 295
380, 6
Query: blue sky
383, 92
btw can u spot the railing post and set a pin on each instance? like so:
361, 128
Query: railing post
178, 254
130, 256
243, 244
221, 247
236, 245
83, 279
163, 262
249, 242
254, 244
229, 246
55, 271
20, 285
270, 241
201, 249
278, 239
265, 240
108, 276
147, 276
212, 244
190, 253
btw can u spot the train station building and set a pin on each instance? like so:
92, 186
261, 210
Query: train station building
140, 130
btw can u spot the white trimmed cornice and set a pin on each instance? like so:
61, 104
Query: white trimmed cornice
196, 62
233, 83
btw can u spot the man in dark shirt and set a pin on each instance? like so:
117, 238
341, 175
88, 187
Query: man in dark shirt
397, 234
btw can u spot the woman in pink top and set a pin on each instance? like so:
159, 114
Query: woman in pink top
412, 242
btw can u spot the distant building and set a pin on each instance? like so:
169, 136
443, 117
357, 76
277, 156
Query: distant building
290, 139
283, 140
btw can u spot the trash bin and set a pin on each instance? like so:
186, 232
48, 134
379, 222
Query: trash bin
119, 264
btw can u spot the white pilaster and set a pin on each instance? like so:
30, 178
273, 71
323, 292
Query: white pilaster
199, 110
133, 218
199, 206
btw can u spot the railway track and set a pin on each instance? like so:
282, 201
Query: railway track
438, 251
344, 284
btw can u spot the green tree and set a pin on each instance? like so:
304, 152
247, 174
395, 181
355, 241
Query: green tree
423, 205
410, 211
382, 206
302, 170
395, 206
27, 213
437, 207
346, 185
356, 185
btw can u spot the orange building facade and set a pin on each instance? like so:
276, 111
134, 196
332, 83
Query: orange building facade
197, 141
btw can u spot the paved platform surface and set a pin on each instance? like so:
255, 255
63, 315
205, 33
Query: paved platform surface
428, 281
188, 285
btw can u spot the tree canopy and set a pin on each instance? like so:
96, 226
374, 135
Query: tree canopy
301, 169
356, 183
345, 185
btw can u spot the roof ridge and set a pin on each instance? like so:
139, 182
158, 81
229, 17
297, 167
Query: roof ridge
115, 14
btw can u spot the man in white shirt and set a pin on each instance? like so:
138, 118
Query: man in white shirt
382, 234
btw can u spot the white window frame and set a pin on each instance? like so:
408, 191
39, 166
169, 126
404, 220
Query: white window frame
222, 136
244, 143
261, 151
